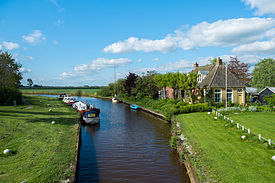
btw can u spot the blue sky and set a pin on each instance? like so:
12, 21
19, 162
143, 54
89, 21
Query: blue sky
76, 43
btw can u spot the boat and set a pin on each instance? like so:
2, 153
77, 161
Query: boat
115, 99
61, 96
69, 100
80, 106
133, 106
91, 116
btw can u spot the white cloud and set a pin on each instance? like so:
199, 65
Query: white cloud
231, 32
263, 6
34, 37
139, 60
258, 47
0, 47
24, 70
155, 59
59, 23
10, 45
95, 66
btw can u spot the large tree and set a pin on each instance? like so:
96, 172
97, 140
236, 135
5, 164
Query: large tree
30, 82
161, 82
10, 75
130, 82
263, 74
239, 69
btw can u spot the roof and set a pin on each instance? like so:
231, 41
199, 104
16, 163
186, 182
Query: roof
216, 78
204, 68
204, 72
251, 90
270, 88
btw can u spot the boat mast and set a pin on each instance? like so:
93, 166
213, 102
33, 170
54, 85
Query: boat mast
115, 80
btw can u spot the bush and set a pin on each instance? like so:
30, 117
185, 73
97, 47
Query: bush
8, 95
173, 142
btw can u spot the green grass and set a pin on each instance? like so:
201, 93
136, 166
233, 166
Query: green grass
259, 122
41, 152
51, 91
221, 155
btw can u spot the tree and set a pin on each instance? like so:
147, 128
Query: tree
191, 83
239, 69
10, 78
213, 60
10, 75
270, 99
29, 80
172, 82
130, 82
264, 73
146, 86
182, 84
161, 82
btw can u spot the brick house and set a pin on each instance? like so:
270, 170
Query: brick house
213, 77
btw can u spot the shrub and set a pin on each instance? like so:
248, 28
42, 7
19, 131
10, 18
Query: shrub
8, 95
173, 142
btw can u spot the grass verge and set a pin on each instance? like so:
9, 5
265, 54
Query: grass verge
40, 151
220, 154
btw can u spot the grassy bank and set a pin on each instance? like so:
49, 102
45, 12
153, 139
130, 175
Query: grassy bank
220, 154
40, 151
52, 91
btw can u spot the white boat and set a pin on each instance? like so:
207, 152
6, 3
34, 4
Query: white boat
115, 100
69, 100
80, 106
91, 117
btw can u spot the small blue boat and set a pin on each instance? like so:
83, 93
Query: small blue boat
133, 106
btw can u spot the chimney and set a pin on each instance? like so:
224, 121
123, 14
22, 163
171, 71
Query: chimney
196, 65
219, 61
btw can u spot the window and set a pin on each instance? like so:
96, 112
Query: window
240, 90
199, 78
217, 95
229, 95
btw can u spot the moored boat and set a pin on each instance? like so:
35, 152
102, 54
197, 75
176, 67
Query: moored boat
91, 117
61, 96
133, 106
69, 100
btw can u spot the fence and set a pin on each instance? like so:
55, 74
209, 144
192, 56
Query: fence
270, 143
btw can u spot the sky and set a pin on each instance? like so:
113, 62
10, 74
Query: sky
76, 43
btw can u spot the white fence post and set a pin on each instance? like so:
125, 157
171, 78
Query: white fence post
248, 131
269, 142
260, 137
238, 126
242, 128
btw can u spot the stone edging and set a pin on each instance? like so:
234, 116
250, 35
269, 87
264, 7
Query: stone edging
189, 168
73, 177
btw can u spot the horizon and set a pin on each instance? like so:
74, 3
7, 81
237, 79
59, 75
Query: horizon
61, 43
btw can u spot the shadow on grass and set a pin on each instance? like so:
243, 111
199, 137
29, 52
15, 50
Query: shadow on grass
5, 112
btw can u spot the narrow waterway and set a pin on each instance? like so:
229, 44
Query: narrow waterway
128, 146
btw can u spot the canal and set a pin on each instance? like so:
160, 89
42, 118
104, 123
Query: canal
127, 146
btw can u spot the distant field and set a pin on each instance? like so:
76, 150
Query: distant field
53, 91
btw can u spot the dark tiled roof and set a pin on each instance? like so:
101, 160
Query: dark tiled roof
204, 68
216, 79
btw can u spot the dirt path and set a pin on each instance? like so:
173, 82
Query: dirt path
25, 102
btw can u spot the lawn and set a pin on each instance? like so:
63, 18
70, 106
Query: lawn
56, 91
41, 151
259, 122
221, 155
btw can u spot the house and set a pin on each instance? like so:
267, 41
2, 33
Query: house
213, 78
264, 92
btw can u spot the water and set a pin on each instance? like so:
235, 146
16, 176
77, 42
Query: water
127, 146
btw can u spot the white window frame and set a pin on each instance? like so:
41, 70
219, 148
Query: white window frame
229, 91
218, 91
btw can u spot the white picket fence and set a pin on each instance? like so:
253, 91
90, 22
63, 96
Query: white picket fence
216, 113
